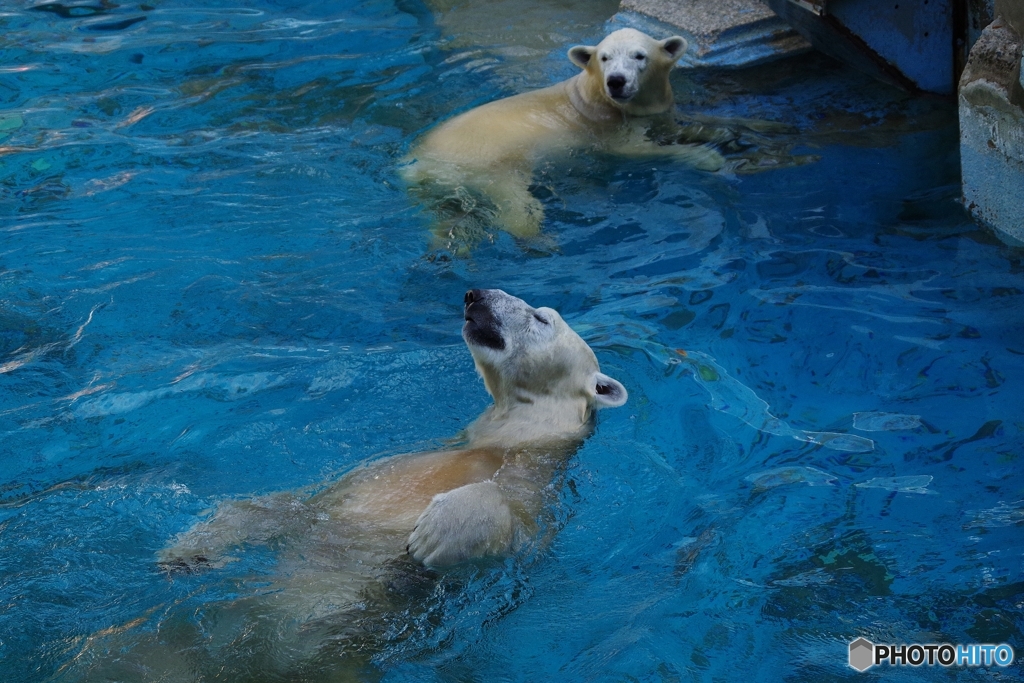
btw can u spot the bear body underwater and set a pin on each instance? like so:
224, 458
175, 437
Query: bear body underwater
341, 550
493, 149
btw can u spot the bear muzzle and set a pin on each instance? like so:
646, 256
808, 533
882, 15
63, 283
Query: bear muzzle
618, 88
482, 327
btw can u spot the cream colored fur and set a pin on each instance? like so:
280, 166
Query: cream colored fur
450, 506
493, 149
338, 548
455, 505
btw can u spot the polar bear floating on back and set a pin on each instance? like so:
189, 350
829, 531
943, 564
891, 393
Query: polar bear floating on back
493, 149
450, 506
343, 550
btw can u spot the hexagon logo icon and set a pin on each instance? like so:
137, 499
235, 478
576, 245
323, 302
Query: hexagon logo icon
862, 654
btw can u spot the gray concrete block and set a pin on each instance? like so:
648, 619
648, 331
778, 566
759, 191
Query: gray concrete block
992, 131
730, 33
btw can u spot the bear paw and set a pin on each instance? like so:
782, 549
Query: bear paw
184, 565
468, 522
701, 157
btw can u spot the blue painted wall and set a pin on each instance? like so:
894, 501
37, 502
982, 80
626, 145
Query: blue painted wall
913, 35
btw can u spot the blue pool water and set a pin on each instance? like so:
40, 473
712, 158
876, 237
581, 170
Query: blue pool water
213, 285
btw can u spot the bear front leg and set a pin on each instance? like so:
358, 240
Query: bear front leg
517, 211
633, 142
468, 522
233, 523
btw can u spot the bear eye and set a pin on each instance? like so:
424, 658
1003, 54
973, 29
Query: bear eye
541, 319
639, 56
604, 58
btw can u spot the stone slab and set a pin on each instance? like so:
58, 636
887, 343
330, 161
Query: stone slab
722, 33
992, 132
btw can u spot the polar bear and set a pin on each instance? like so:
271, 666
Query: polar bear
347, 545
607, 107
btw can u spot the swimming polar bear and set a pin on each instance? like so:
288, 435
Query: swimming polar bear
493, 149
342, 551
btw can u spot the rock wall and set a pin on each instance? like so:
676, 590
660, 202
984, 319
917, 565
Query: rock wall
991, 102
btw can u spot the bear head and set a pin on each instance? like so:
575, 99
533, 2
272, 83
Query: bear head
543, 377
629, 70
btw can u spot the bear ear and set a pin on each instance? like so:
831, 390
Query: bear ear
674, 46
581, 54
608, 392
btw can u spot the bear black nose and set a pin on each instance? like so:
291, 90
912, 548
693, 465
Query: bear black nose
616, 82
473, 295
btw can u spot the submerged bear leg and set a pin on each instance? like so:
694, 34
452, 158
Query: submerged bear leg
516, 210
234, 523
633, 142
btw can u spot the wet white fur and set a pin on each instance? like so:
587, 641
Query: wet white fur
339, 550
444, 506
493, 149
